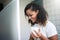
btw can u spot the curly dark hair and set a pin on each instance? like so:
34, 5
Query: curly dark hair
41, 16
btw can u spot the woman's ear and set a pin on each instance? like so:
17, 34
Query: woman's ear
37, 11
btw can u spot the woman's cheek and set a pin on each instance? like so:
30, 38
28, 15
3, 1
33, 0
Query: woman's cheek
33, 20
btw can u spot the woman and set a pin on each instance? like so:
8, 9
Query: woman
37, 16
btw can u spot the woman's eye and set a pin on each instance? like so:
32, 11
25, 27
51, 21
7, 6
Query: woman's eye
30, 15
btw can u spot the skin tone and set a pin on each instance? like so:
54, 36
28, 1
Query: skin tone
32, 16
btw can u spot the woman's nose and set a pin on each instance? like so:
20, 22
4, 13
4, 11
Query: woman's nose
29, 17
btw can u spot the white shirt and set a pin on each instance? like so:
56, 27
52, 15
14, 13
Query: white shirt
48, 31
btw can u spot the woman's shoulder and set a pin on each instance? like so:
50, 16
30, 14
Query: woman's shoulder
50, 25
50, 29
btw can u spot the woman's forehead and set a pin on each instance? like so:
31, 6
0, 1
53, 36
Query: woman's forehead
29, 11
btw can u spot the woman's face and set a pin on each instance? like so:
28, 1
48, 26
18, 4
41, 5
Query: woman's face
32, 15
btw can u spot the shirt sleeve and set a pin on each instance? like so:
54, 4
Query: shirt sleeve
51, 30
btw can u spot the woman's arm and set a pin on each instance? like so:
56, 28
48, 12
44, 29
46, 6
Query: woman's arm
42, 37
55, 37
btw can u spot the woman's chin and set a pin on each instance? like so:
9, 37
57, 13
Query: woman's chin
33, 21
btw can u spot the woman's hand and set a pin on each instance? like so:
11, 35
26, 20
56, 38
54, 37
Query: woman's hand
38, 35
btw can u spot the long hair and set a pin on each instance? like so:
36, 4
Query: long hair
41, 16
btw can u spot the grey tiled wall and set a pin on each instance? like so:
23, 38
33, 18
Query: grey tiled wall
53, 9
